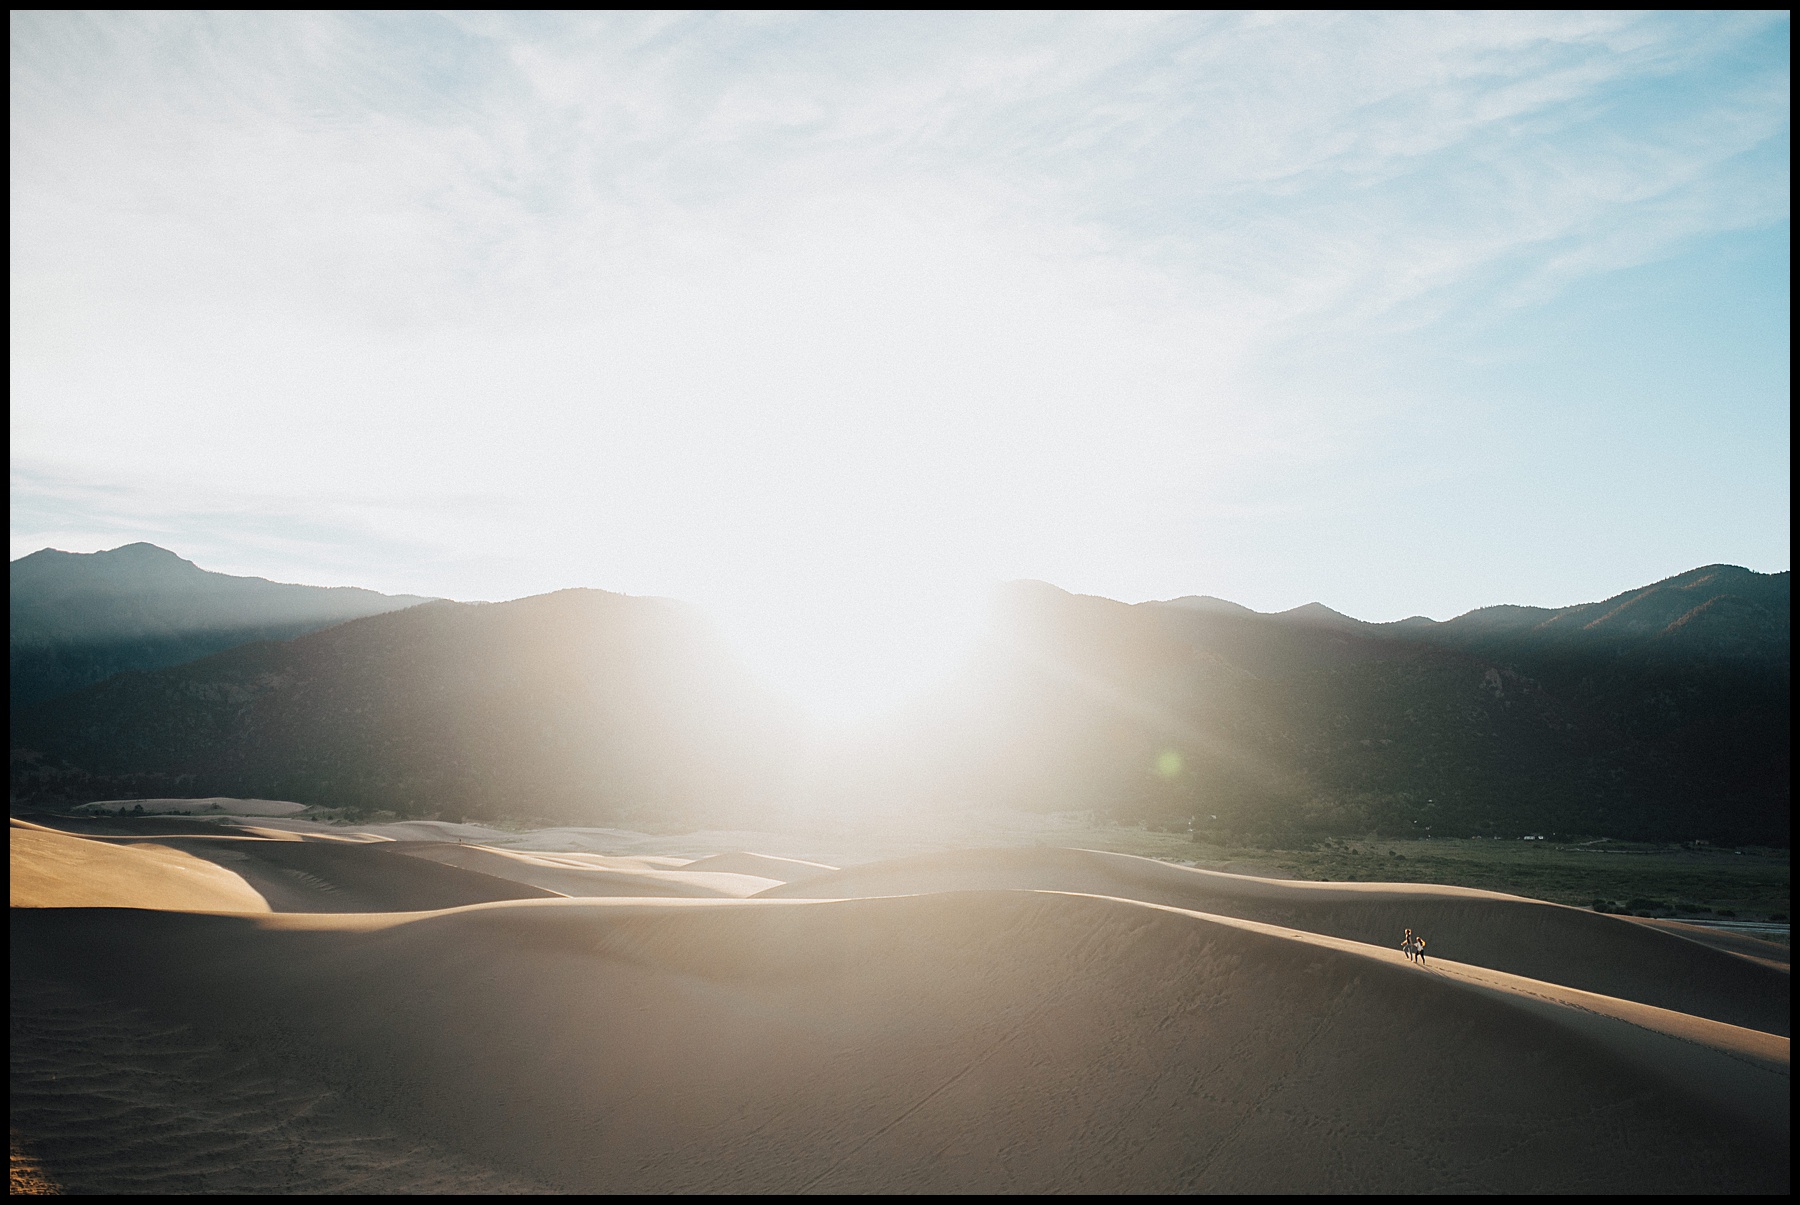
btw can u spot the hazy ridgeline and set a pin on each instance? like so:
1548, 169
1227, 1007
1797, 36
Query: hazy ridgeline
1660, 714
79, 618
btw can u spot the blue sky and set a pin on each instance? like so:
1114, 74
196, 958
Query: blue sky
804, 316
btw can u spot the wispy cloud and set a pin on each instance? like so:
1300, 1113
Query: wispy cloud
396, 166
992, 292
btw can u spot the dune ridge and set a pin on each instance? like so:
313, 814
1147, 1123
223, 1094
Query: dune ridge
50, 869
575, 874
783, 870
237, 873
1747, 945
1531, 938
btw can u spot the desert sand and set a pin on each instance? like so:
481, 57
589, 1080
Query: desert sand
575, 874
58, 870
1749, 945
218, 1009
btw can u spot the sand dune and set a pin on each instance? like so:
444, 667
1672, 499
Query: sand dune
1750, 946
50, 869
591, 875
1526, 937
996, 1020
980, 1041
93, 825
161, 1108
782, 870
582, 840
401, 830
575, 840
331, 876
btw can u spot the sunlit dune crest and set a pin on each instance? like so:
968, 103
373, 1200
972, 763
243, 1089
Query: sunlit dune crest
1528, 937
1020, 1020
54, 870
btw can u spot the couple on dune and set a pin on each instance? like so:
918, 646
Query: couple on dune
1414, 947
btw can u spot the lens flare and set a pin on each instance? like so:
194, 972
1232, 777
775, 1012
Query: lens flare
850, 659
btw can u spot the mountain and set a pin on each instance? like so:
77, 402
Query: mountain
1714, 611
574, 706
1660, 714
1206, 602
1319, 615
78, 618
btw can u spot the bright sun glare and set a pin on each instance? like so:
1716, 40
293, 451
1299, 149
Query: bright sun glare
850, 659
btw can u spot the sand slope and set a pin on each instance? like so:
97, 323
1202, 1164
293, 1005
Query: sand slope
349, 876
1748, 945
50, 869
130, 1103
576, 874
782, 870
980, 1041
1569, 946
419, 1016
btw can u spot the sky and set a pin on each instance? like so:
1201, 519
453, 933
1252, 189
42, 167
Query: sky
829, 322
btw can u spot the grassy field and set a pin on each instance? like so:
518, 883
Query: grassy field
1656, 880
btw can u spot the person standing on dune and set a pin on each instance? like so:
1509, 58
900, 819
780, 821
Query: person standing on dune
1419, 949
1406, 945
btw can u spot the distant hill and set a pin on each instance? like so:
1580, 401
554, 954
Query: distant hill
571, 706
79, 618
1718, 611
1661, 714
